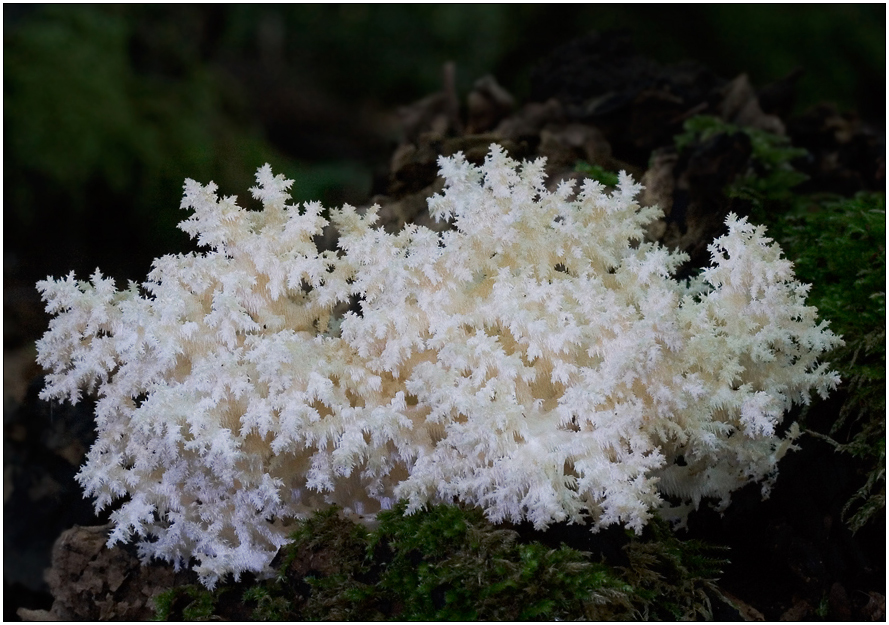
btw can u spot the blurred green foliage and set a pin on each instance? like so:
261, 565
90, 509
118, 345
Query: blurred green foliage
391, 51
108, 108
101, 134
842, 48
597, 173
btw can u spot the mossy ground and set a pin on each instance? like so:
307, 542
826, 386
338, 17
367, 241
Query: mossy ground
448, 562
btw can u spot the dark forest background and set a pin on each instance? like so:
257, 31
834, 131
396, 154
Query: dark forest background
107, 109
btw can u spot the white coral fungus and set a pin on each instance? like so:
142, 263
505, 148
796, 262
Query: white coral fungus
538, 361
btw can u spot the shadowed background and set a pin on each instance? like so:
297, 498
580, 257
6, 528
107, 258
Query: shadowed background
107, 109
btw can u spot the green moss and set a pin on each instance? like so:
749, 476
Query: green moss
269, 607
771, 175
838, 246
449, 563
446, 563
163, 603
188, 603
675, 579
